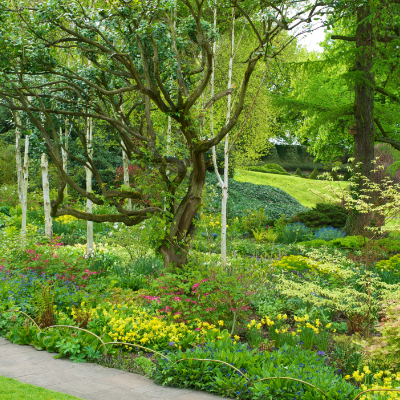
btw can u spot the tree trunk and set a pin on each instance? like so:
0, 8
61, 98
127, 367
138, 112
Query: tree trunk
18, 161
176, 244
364, 105
364, 94
64, 154
226, 150
125, 166
25, 171
89, 138
48, 230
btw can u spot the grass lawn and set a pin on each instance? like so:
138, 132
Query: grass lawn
297, 187
10, 389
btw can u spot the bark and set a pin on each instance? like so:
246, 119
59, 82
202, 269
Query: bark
64, 151
48, 230
364, 94
176, 244
89, 138
125, 166
18, 160
364, 105
25, 171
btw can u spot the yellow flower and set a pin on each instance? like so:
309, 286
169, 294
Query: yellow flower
329, 325
276, 331
366, 369
221, 323
347, 377
284, 316
237, 337
293, 333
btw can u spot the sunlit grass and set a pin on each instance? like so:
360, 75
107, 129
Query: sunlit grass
300, 188
11, 389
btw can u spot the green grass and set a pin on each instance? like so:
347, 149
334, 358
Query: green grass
11, 389
297, 187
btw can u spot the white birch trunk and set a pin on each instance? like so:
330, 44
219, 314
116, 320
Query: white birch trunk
64, 154
18, 160
224, 182
48, 224
89, 139
125, 164
226, 149
24, 203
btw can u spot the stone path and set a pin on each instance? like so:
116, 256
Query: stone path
86, 381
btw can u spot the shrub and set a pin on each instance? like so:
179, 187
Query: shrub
353, 242
204, 295
314, 174
245, 197
293, 362
329, 233
323, 214
293, 263
298, 172
392, 265
254, 220
385, 349
270, 169
334, 175
293, 233
314, 243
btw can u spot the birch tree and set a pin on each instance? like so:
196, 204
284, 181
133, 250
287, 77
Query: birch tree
18, 159
89, 174
48, 224
25, 174
224, 182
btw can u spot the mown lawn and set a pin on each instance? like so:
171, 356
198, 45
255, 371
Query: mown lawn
300, 188
11, 389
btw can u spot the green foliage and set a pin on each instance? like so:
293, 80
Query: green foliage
246, 197
221, 379
44, 304
254, 220
7, 165
323, 214
135, 276
210, 294
293, 233
270, 169
353, 242
314, 174
346, 355
298, 172
131, 362
384, 350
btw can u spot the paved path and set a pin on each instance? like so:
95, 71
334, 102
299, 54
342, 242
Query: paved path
87, 381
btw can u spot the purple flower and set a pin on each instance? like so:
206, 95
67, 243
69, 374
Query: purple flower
321, 353
171, 343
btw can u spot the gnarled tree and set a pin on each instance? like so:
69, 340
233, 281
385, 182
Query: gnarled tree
121, 57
